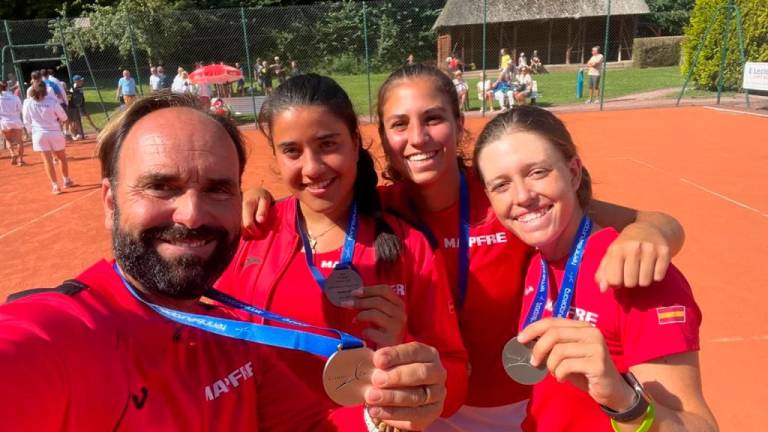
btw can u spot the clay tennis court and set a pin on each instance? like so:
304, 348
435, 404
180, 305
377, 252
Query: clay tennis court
704, 166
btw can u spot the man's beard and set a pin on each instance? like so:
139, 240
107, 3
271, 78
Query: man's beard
185, 277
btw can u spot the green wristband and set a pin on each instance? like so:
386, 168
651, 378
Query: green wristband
645, 426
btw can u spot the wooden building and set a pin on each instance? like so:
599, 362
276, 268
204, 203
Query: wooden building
563, 31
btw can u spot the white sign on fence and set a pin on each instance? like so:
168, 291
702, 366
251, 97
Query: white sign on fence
756, 76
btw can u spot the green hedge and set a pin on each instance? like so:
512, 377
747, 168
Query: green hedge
657, 51
754, 14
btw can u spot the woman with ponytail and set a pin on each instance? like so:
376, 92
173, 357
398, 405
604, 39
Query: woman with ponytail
626, 360
422, 132
333, 224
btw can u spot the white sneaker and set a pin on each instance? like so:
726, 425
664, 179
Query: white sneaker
55, 189
68, 182
77, 137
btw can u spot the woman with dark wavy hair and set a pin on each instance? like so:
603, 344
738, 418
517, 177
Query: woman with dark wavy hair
333, 224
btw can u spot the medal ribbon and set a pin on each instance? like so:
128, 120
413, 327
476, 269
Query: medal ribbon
259, 333
463, 249
346, 252
568, 288
463, 276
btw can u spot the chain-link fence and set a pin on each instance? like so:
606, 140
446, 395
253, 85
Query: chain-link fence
357, 43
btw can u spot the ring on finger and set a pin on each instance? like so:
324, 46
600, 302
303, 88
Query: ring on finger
427, 394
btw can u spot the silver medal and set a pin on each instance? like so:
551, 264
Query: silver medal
516, 359
340, 284
347, 375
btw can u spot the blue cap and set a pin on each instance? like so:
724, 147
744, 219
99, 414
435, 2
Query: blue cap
77, 78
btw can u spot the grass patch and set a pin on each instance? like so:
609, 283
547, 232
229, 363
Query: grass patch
557, 88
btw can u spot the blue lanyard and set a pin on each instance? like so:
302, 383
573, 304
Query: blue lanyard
463, 239
346, 252
568, 288
263, 334
463, 252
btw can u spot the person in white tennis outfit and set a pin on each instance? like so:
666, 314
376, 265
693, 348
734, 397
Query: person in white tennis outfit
42, 118
10, 123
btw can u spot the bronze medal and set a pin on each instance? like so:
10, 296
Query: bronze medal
340, 284
516, 359
347, 375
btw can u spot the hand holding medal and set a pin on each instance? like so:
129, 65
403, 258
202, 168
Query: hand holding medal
576, 351
408, 387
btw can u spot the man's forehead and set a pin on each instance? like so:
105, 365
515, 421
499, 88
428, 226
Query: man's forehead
174, 135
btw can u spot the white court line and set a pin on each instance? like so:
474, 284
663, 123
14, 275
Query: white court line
685, 180
736, 111
45, 215
719, 195
643, 163
739, 339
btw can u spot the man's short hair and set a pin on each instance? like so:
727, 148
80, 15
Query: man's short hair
112, 137
596, 47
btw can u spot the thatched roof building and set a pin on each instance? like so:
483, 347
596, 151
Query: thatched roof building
561, 30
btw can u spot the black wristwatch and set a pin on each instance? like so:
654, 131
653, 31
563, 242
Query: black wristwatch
639, 406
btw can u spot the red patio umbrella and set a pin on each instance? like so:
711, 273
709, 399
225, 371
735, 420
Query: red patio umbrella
215, 74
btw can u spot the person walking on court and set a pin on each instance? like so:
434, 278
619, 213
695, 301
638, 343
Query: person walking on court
43, 118
10, 123
126, 87
594, 67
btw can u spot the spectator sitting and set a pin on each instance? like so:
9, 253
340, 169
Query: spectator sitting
522, 87
501, 87
522, 60
219, 108
536, 66
461, 88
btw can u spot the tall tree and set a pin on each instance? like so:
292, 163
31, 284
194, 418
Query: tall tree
667, 17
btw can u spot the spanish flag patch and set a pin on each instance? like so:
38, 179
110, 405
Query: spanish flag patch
671, 314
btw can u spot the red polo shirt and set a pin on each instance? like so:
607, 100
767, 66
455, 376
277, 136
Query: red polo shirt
99, 360
497, 262
639, 325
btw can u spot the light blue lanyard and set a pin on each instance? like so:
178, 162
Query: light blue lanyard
568, 288
346, 252
263, 334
